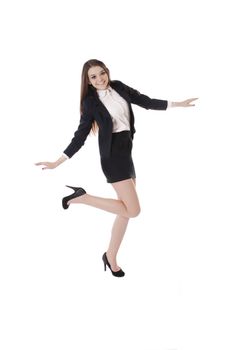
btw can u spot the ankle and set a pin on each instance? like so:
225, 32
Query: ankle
110, 255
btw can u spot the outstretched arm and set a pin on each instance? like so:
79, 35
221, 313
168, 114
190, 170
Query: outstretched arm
152, 103
76, 143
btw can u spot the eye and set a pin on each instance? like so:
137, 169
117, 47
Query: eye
103, 73
93, 77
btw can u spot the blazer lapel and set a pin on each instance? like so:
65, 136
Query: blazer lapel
120, 89
99, 106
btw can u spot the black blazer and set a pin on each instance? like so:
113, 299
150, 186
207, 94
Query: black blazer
94, 110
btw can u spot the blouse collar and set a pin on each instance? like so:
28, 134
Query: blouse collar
103, 93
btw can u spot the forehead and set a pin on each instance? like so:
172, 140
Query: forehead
95, 70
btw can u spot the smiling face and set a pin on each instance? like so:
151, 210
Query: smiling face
98, 78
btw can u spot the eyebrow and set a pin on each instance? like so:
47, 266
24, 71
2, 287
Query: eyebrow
92, 75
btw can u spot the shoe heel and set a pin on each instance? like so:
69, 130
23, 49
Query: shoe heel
72, 187
104, 261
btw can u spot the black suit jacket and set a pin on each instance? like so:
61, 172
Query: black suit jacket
94, 110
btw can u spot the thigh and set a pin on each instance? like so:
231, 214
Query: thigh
126, 191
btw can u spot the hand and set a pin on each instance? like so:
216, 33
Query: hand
48, 165
52, 165
185, 103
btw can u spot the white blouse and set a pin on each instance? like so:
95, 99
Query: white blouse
117, 108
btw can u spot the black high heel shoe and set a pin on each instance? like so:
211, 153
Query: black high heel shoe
78, 191
119, 273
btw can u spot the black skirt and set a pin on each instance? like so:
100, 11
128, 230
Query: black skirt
119, 165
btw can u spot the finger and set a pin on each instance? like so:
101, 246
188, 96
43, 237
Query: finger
189, 100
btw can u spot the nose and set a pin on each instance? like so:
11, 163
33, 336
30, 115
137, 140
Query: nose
100, 80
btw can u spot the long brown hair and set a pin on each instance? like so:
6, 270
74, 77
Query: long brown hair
85, 86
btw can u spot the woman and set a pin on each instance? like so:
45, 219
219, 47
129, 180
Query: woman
106, 105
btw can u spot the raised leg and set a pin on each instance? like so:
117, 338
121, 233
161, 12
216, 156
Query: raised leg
126, 205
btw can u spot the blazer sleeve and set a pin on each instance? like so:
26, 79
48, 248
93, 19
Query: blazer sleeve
145, 101
81, 133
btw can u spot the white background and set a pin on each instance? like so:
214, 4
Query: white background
177, 255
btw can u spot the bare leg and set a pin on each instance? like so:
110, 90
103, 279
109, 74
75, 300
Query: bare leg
118, 232
126, 205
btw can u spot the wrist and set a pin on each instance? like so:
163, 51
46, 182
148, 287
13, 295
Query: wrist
60, 160
175, 104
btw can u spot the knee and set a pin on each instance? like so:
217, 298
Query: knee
133, 212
